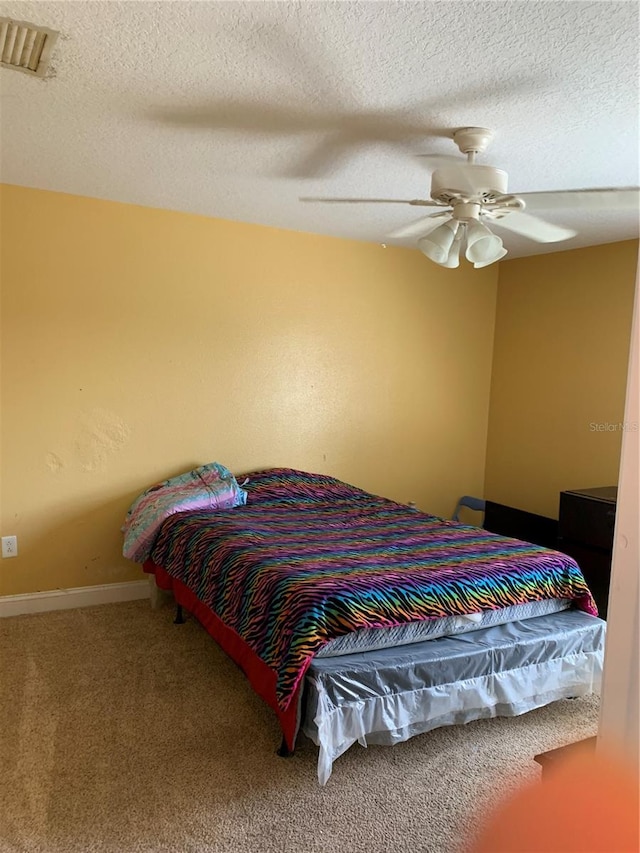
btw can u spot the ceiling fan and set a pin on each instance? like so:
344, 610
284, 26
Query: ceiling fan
467, 195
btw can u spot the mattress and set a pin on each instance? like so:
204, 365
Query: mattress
371, 639
392, 694
310, 559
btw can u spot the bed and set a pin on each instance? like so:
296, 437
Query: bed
359, 619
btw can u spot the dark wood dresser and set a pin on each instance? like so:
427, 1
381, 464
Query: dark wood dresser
585, 532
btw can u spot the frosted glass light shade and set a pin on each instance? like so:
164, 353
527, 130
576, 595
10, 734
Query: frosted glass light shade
453, 258
437, 244
483, 247
501, 254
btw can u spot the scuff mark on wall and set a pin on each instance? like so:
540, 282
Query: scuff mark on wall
102, 433
53, 462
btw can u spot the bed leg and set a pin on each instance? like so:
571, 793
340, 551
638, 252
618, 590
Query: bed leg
179, 620
284, 751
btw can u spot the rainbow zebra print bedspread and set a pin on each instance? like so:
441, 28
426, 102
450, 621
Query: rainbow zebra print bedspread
310, 558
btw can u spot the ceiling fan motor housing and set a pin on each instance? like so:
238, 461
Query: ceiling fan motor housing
468, 181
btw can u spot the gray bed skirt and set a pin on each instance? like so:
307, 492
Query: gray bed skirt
390, 695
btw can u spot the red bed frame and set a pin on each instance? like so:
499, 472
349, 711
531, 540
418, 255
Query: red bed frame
261, 677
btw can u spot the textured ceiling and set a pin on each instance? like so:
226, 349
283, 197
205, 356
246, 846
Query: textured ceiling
237, 110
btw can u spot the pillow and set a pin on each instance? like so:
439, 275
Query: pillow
289, 485
210, 486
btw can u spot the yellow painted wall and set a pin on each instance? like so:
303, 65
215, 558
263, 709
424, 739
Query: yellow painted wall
563, 326
137, 343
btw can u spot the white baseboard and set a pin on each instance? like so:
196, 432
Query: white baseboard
65, 599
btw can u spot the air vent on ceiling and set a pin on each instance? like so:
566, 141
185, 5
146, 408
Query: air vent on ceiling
25, 47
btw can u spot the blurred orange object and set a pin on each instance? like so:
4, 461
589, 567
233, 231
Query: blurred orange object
588, 804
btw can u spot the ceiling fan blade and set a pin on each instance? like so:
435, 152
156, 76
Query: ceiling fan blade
420, 227
534, 228
608, 198
417, 202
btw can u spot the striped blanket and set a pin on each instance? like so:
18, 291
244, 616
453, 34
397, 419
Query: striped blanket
311, 558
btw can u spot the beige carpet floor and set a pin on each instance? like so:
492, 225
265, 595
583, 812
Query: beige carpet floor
120, 731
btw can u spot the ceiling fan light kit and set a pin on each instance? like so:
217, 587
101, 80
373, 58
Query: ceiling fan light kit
443, 244
467, 195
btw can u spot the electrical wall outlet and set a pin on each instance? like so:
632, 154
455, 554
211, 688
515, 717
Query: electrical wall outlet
9, 546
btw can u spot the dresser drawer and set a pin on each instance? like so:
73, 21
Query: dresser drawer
587, 520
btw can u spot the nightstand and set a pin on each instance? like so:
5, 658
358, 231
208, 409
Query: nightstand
585, 532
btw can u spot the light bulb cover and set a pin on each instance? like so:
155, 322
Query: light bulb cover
437, 244
483, 247
453, 258
501, 254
